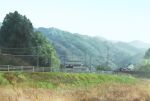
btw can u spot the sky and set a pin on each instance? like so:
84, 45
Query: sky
120, 20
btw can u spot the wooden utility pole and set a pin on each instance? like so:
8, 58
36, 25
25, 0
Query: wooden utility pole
50, 61
37, 58
90, 63
85, 59
107, 55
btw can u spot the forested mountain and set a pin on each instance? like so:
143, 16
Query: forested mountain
0, 24
140, 44
91, 50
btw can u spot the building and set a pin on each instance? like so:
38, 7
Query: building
75, 66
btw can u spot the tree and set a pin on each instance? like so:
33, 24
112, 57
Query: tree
103, 68
17, 34
16, 31
45, 50
147, 54
144, 65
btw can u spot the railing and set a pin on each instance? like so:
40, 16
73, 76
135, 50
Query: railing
11, 68
41, 69
24, 68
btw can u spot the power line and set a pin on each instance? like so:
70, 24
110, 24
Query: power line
20, 48
21, 55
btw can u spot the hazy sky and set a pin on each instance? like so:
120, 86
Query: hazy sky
124, 20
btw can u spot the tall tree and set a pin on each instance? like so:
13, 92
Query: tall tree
17, 37
147, 54
16, 31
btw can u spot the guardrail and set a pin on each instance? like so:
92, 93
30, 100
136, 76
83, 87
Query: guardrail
24, 68
11, 68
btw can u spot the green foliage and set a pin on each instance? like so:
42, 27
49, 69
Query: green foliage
17, 37
3, 80
92, 50
42, 85
46, 52
56, 80
144, 65
103, 67
16, 31
147, 54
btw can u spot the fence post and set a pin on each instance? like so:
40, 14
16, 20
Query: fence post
43, 69
33, 69
21, 68
8, 67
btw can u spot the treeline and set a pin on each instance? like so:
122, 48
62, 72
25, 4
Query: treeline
19, 41
144, 64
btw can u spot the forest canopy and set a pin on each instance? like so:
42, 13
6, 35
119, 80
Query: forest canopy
17, 37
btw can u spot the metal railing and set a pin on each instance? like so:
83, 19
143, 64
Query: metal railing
24, 68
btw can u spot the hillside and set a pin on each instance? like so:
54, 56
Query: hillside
91, 50
140, 44
0, 24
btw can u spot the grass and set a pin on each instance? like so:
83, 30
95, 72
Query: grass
21, 86
57, 79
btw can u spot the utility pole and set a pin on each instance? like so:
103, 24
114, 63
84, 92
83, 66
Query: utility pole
71, 56
37, 57
90, 63
85, 58
50, 61
63, 60
107, 55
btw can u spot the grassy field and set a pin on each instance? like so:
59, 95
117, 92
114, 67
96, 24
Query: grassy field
56, 80
20, 86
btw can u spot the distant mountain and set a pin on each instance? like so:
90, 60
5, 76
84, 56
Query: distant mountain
0, 24
91, 50
122, 46
140, 44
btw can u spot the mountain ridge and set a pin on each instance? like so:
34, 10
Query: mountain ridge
140, 44
101, 51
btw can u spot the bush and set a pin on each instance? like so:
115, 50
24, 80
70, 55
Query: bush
144, 65
102, 67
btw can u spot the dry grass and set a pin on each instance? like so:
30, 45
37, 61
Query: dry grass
102, 92
19, 86
110, 92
